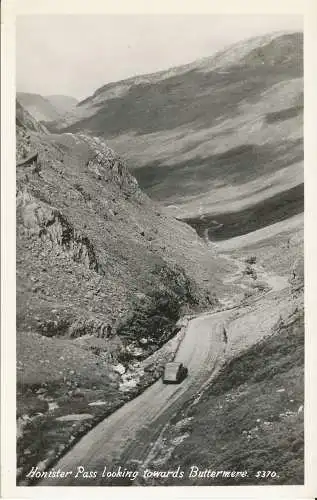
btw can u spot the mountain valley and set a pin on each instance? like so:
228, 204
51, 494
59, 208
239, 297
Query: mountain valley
145, 213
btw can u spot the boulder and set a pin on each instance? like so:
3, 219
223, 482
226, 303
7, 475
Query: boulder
119, 368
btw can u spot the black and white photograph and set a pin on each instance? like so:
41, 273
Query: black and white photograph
160, 317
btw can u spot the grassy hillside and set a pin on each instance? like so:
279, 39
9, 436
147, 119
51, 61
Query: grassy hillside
216, 123
277, 208
250, 418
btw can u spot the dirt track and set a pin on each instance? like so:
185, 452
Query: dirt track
127, 437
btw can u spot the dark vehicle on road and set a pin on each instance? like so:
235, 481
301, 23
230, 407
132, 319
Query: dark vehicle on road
174, 373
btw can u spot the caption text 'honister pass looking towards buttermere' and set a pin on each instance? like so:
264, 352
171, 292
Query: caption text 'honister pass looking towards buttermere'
160, 275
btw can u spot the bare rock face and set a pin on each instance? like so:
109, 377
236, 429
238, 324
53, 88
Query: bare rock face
106, 165
53, 228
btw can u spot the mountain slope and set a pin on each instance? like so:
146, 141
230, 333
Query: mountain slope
62, 103
203, 130
46, 108
40, 108
81, 209
24, 122
103, 276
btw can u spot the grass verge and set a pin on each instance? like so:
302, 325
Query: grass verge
250, 418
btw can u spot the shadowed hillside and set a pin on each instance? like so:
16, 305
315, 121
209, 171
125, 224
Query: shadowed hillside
215, 123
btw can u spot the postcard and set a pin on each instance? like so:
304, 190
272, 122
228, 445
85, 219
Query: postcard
158, 291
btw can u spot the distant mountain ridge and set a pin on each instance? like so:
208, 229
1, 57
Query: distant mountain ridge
46, 108
62, 103
197, 132
279, 48
230, 55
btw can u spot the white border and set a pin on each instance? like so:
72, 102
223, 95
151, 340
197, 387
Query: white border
8, 429
158, 7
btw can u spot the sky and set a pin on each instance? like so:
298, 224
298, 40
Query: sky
76, 54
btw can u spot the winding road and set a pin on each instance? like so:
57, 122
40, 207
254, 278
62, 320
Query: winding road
128, 434
127, 437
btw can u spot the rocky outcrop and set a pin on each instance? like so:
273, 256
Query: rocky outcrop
107, 165
95, 257
53, 228
29, 160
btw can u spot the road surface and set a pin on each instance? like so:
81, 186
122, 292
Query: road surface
128, 434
